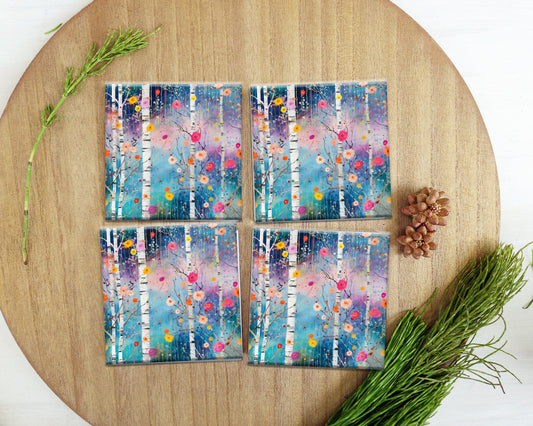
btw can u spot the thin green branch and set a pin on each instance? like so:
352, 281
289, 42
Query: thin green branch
118, 43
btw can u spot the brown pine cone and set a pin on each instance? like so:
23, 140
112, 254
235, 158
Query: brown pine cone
428, 207
417, 242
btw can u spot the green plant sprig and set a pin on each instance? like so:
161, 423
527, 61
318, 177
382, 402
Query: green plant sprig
423, 362
118, 43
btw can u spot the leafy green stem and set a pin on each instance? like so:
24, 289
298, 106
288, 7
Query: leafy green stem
118, 43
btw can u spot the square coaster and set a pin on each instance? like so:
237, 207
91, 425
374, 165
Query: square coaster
171, 293
320, 151
318, 299
173, 151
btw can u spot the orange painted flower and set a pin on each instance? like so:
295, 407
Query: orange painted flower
150, 127
188, 302
238, 154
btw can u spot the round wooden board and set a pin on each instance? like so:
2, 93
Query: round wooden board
54, 305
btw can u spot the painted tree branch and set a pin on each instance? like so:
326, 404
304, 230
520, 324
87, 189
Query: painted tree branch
118, 43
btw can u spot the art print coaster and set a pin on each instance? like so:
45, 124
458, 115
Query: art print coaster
320, 151
318, 299
171, 293
173, 151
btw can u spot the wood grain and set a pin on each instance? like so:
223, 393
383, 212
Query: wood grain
54, 305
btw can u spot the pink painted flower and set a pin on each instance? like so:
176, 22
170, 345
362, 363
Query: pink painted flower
349, 153
219, 207
172, 159
201, 155
152, 352
219, 347
302, 209
361, 356
290, 103
195, 137
193, 277
140, 245
208, 306
343, 135
172, 246
320, 159
230, 164
377, 161
352, 178
198, 295
209, 166
227, 302
151, 209
374, 313
346, 303
322, 104
295, 356
145, 103
348, 328
176, 104
369, 205
341, 284
354, 315
358, 165
324, 251
293, 249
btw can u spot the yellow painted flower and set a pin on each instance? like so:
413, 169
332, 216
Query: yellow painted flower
280, 245
138, 108
285, 253
169, 337
312, 342
132, 100
278, 101
389, 200
114, 269
359, 185
341, 245
133, 252
319, 195
296, 274
146, 270
150, 127
296, 128
339, 97
193, 97
169, 196
128, 243
283, 109
187, 238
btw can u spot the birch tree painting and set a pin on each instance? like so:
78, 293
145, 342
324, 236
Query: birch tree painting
327, 151
171, 293
328, 299
173, 151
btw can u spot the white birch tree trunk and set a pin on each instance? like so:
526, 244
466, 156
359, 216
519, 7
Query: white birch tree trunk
259, 292
112, 292
190, 311
266, 318
122, 153
146, 154
262, 152
268, 140
144, 295
120, 315
114, 153
192, 190
336, 324
340, 166
219, 281
368, 288
222, 151
370, 148
294, 155
291, 298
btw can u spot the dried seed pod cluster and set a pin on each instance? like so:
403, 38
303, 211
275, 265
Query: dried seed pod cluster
428, 209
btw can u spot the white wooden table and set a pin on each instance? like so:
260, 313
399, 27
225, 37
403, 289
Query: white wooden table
489, 41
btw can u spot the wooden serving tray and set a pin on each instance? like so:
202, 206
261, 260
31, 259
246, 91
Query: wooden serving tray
54, 305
